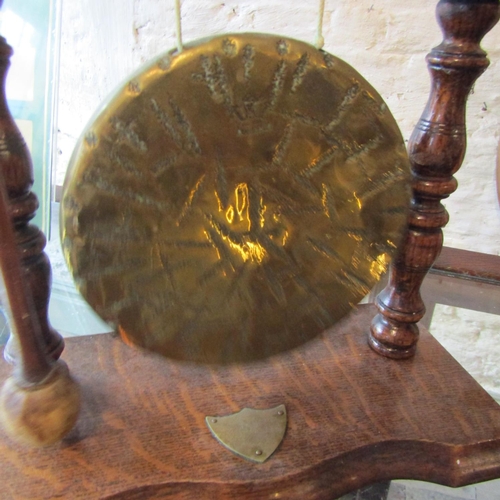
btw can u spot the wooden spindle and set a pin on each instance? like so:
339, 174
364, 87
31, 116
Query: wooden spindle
32, 365
436, 149
17, 170
40, 402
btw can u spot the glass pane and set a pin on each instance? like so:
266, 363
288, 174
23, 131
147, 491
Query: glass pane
29, 26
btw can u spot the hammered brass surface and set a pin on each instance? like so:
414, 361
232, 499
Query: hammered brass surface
234, 200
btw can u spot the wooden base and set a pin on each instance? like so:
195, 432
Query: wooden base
354, 418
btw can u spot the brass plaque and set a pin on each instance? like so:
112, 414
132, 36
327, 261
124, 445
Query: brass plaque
233, 201
252, 434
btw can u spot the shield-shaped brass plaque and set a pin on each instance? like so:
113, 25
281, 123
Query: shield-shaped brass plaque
251, 434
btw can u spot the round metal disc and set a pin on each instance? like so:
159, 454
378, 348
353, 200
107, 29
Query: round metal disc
232, 201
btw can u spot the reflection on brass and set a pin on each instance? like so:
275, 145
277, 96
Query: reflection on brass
233, 201
251, 434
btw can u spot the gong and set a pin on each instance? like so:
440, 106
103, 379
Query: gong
233, 200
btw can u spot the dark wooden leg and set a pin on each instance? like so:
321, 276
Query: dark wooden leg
436, 149
17, 170
40, 402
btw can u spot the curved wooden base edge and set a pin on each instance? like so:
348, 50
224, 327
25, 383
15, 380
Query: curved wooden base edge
354, 418
442, 464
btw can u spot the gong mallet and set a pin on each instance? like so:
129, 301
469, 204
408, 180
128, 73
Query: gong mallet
39, 402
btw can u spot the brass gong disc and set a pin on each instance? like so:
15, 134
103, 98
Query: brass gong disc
234, 200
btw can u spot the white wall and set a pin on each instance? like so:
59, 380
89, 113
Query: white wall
386, 41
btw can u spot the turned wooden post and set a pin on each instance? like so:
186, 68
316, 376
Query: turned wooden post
40, 402
17, 171
436, 149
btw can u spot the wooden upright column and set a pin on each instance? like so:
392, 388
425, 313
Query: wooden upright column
17, 170
437, 148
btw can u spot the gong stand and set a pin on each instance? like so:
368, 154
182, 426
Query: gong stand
354, 417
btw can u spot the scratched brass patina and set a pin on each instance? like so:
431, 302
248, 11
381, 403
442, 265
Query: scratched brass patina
252, 434
233, 201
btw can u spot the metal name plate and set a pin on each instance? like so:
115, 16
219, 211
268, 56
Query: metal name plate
252, 434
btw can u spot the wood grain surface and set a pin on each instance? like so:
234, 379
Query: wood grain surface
469, 264
354, 418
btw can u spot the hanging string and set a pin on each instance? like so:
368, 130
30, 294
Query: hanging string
320, 41
178, 30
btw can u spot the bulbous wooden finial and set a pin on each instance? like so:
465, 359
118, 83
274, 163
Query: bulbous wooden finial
43, 413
